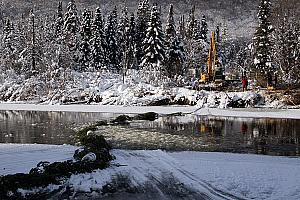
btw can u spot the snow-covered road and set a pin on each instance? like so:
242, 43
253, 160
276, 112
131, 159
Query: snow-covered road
193, 175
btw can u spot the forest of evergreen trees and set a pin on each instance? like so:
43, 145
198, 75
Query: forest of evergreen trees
45, 45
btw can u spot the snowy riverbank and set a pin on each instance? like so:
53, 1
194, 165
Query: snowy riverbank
242, 112
110, 89
218, 175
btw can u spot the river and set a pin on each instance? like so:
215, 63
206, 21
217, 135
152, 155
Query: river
174, 133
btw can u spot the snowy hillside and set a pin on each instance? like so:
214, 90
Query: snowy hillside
238, 15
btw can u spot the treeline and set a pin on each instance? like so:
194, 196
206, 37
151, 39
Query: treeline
116, 42
120, 41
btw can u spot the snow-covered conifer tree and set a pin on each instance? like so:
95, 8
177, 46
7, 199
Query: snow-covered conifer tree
170, 37
98, 42
181, 28
7, 37
85, 56
113, 60
170, 27
262, 39
131, 44
176, 57
123, 36
59, 23
191, 24
288, 53
198, 53
204, 29
142, 19
71, 26
8, 49
154, 49
32, 46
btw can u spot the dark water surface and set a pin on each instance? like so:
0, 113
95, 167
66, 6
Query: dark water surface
232, 134
29, 127
225, 134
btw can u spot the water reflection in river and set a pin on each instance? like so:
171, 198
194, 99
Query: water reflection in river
43, 127
247, 135
228, 134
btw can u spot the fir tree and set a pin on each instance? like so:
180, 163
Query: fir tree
131, 44
154, 50
32, 48
113, 48
123, 36
71, 26
176, 57
262, 39
204, 29
86, 28
85, 47
198, 53
170, 27
8, 49
7, 37
288, 53
59, 23
143, 17
224, 46
191, 24
170, 42
98, 42
181, 28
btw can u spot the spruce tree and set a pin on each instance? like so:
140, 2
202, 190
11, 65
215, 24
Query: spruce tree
154, 49
113, 60
262, 39
98, 42
8, 49
7, 37
204, 29
59, 23
170, 42
176, 57
131, 44
86, 28
224, 46
85, 56
198, 54
142, 21
33, 52
71, 26
191, 24
170, 27
123, 36
181, 28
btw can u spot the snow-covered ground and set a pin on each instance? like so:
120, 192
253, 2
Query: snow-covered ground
219, 175
109, 89
20, 158
242, 112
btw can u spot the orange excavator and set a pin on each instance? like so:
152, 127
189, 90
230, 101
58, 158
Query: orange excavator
213, 72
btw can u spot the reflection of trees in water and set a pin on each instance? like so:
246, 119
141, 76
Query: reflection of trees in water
277, 135
263, 136
41, 127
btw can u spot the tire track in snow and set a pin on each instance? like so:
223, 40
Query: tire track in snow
157, 163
